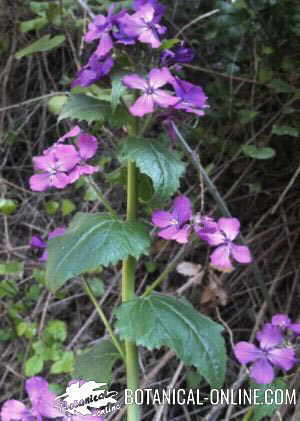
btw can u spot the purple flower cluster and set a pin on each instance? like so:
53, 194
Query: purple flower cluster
43, 405
275, 351
41, 244
178, 223
61, 164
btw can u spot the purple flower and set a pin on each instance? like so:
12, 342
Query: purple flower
93, 71
228, 230
192, 97
152, 94
62, 164
205, 224
143, 25
271, 353
42, 403
179, 54
174, 224
100, 29
283, 322
53, 167
159, 9
39, 243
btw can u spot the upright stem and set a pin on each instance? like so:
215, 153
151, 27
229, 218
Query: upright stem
128, 293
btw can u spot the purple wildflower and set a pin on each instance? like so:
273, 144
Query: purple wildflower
42, 403
192, 97
152, 94
93, 71
228, 230
271, 353
179, 54
39, 243
100, 29
53, 166
143, 25
205, 224
174, 224
283, 322
62, 164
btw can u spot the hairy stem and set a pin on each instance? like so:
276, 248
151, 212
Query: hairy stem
128, 293
102, 316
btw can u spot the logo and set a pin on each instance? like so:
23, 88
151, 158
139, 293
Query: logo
87, 398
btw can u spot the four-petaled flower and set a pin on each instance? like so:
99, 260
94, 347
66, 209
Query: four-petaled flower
175, 224
143, 25
271, 353
228, 230
152, 94
179, 54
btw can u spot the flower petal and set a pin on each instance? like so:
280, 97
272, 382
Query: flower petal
262, 371
220, 257
104, 46
13, 410
162, 219
87, 145
295, 327
72, 133
135, 81
39, 182
37, 242
283, 358
212, 238
57, 232
269, 337
241, 253
182, 209
164, 99
246, 352
182, 235
281, 320
60, 180
230, 226
142, 106
159, 77
168, 233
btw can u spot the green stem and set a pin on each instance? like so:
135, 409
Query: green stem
114, 339
128, 293
99, 193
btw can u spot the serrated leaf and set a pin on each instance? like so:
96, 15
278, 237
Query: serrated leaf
258, 153
57, 330
261, 409
93, 240
156, 160
43, 44
96, 364
85, 108
159, 320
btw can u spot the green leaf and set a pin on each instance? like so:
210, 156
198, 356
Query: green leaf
258, 153
169, 43
51, 207
34, 365
33, 24
117, 89
85, 108
193, 379
195, 338
7, 206
56, 103
11, 268
57, 330
155, 159
285, 131
93, 240
42, 44
96, 364
97, 286
64, 365
261, 409
26, 329
246, 116
281, 86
